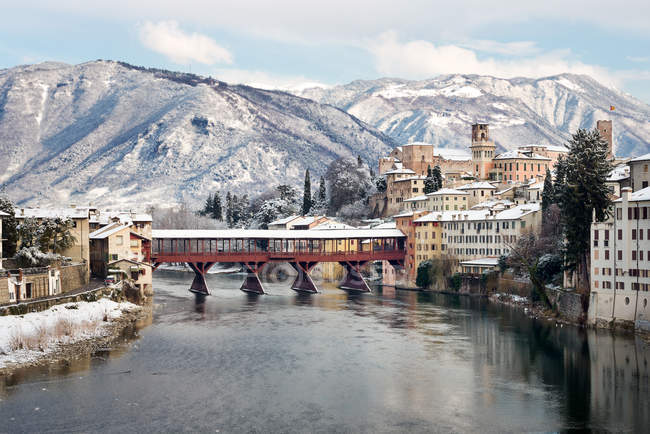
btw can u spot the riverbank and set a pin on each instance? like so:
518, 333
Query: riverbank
62, 332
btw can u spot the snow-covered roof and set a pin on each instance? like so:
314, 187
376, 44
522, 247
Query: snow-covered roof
125, 217
536, 186
644, 157
448, 216
40, 213
550, 148
417, 198
520, 155
306, 220
453, 154
277, 234
284, 221
619, 173
130, 261
490, 262
411, 178
398, 171
107, 231
504, 190
387, 225
517, 212
447, 191
482, 185
512, 213
404, 214
637, 196
331, 225
416, 144
491, 204
3, 213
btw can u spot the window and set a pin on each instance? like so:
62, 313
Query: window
606, 255
28, 290
113, 257
618, 214
620, 255
634, 234
620, 234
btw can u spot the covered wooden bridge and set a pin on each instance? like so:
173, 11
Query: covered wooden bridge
303, 249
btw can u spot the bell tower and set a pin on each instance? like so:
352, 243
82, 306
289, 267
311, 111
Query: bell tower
483, 151
605, 130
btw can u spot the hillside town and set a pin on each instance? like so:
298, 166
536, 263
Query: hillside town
464, 215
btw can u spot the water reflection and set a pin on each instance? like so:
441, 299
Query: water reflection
338, 361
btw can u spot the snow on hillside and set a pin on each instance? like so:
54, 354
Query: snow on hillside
114, 134
520, 111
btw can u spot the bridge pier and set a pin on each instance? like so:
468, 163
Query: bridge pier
252, 282
199, 285
353, 280
303, 282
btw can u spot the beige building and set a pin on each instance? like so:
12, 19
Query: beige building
620, 262
448, 199
401, 189
479, 191
428, 238
639, 172
117, 242
552, 152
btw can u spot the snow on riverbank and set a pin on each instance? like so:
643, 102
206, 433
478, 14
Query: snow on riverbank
26, 338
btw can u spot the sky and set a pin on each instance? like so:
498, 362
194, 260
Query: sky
292, 44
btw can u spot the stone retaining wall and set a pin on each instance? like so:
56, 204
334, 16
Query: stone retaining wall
44, 304
73, 276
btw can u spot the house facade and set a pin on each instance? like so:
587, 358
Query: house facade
620, 261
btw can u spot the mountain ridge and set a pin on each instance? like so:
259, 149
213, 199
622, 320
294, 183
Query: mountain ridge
520, 110
110, 132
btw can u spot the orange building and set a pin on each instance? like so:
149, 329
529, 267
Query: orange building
404, 222
518, 166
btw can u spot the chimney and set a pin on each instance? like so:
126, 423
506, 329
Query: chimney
625, 195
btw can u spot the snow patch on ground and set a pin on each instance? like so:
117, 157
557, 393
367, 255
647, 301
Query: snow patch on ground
43, 332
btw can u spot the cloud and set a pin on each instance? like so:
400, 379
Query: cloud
519, 48
418, 59
165, 37
263, 80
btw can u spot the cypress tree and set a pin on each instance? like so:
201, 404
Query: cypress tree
216, 207
548, 194
436, 173
322, 192
306, 197
229, 209
429, 182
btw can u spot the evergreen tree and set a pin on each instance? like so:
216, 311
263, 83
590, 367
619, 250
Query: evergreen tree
208, 207
583, 196
359, 161
322, 192
9, 227
560, 179
548, 194
380, 184
229, 209
216, 207
437, 176
429, 182
306, 197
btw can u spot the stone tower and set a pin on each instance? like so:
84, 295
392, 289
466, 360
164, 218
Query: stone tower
483, 151
605, 130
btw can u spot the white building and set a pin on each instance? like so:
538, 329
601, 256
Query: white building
477, 234
620, 262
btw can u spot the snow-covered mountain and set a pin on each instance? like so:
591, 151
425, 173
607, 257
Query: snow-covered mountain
109, 133
520, 111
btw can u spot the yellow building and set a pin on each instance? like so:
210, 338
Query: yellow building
428, 238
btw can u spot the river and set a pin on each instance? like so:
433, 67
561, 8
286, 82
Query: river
390, 361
